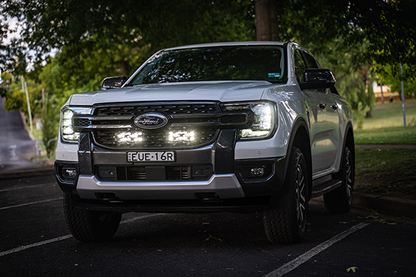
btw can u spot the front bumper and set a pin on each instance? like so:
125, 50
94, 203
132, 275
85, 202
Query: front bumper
224, 186
214, 180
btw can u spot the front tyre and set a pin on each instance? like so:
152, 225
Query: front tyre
287, 222
88, 226
340, 199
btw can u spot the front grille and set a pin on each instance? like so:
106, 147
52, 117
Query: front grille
167, 108
190, 125
127, 139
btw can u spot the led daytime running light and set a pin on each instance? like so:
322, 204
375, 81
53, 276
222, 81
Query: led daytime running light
68, 133
264, 118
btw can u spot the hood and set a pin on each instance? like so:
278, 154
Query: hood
224, 91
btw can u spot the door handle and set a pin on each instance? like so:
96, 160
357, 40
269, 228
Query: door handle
334, 107
322, 106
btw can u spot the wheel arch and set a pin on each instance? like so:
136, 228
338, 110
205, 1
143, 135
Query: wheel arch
349, 142
300, 139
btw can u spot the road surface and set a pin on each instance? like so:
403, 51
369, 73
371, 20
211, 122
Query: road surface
16, 146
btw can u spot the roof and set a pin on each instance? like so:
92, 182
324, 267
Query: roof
235, 43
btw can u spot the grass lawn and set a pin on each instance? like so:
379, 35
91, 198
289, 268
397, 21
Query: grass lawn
387, 172
391, 115
386, 124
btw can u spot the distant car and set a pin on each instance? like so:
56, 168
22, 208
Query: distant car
225, 127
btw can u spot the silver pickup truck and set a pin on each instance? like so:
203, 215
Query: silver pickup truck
225, 127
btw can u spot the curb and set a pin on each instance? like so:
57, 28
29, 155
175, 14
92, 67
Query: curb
385, 146
387, 204
40, 170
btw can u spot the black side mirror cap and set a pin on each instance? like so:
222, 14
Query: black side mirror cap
317, 78
113, 82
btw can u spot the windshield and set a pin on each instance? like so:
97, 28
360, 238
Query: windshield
215, 63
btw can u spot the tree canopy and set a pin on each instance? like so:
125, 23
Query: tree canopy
120, 30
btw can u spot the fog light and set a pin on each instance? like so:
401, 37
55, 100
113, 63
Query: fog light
257, 171
69, 173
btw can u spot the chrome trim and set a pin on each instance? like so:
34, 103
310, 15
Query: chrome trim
225, 185
216, 123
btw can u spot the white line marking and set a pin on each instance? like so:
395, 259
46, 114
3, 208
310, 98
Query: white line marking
21, 248
30, 203
286, 268
41, 243
139, 217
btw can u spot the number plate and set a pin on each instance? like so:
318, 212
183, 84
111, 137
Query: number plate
162, 156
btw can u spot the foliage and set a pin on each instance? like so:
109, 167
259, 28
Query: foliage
390, 75
117, 28
5, 87
354, 82
50, 123
16, 97
387, 26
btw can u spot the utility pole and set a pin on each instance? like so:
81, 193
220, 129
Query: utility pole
401, 79
24, 88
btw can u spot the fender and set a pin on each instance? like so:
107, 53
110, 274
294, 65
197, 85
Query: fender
301, 141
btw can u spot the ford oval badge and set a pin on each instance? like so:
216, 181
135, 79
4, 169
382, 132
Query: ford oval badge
151, 121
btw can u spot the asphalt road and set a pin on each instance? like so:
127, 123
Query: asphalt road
16, 147
35, 241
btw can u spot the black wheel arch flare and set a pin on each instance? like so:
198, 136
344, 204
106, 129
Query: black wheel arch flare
300, 138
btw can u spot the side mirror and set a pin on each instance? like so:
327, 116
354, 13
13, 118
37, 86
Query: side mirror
317, 78
113, 82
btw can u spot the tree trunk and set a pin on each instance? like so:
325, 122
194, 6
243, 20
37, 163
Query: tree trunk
123, 68
267, 25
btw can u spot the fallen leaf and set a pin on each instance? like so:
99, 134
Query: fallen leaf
353, 269
211, 237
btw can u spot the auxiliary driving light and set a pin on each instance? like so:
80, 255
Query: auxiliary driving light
257, 171
69, 173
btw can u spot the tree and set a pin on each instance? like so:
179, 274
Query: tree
116, 28
16, 97
390, 76
354, 81
50, 123
387, 26
267, 25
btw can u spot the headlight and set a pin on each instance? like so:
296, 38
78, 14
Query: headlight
264, 122
67, 131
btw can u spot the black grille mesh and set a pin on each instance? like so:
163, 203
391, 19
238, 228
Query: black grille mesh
180, 108
82, 122
153, 138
